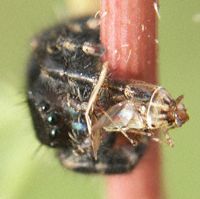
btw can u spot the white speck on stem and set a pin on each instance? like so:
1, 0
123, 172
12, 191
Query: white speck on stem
148, 62
124, 45
104, 14
129, 55
142, 27
156, 8
156, 41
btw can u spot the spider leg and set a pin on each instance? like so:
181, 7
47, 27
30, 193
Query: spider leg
95, 144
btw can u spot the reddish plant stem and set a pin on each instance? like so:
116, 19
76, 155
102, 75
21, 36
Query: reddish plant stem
143, 182
128, 31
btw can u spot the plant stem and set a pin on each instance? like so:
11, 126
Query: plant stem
128, 30
129, 33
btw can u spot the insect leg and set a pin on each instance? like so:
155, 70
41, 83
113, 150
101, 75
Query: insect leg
132, 141
156, 139
169, 140
148, 134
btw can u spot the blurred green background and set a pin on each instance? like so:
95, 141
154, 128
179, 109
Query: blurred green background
26, 173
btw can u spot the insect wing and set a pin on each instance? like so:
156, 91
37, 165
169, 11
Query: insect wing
117, 117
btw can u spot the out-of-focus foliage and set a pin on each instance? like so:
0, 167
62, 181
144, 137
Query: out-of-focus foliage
180, 72
25, 171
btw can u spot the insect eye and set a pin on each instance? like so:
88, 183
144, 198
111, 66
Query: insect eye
52, 118
54, 133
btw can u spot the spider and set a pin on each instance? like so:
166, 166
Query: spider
81, 112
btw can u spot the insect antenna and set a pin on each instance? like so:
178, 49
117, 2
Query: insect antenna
179, 99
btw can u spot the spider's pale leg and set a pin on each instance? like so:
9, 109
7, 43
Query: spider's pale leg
91, 101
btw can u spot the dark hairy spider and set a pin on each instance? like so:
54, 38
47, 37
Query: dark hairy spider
81, 112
